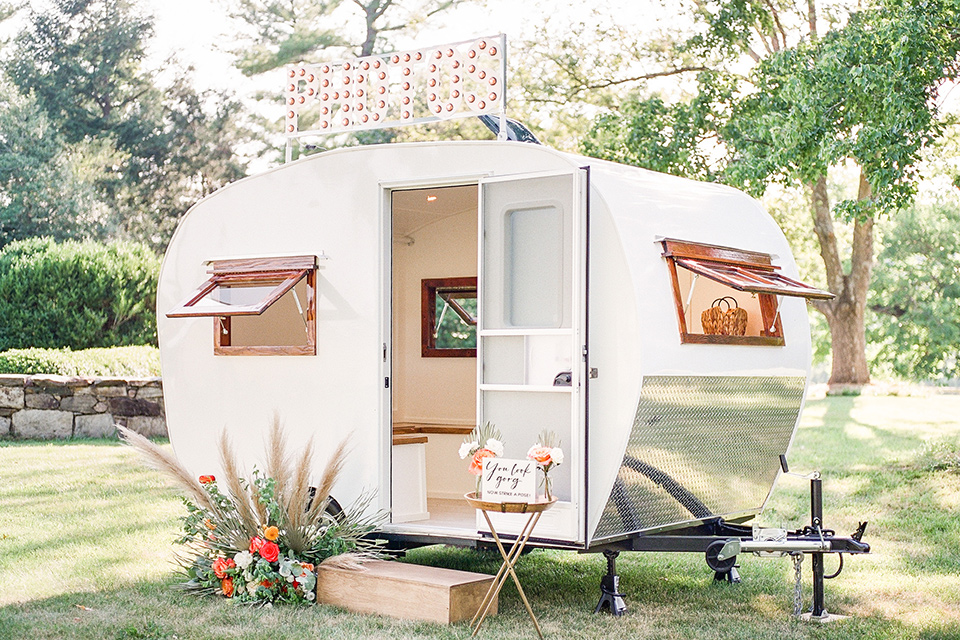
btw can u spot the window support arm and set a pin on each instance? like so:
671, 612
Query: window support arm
773, 323
296, 299
693, 285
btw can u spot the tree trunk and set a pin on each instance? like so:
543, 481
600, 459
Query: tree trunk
845, 314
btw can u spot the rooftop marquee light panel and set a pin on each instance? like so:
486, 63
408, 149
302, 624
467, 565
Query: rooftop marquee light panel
407, 87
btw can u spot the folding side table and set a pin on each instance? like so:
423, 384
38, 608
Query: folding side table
534, 510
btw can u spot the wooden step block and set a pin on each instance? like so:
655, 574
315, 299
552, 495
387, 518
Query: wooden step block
408, 591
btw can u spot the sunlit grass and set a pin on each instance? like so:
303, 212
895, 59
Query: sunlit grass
86, 549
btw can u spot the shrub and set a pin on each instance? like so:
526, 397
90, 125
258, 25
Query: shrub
142, 361
77, 294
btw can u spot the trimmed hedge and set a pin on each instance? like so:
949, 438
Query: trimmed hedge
118, 362
77, 295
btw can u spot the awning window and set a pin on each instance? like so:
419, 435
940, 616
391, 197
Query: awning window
245, 287
725, 295
753, 278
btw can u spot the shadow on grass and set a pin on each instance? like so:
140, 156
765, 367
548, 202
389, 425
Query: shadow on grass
668, 597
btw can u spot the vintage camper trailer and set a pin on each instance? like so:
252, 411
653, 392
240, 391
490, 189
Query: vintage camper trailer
404, 293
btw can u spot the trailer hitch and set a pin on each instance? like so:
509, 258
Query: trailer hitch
813, 539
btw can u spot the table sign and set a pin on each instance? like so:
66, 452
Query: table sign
505, 480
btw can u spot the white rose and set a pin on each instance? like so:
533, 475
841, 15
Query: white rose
468, 448
496, 446
556, 455
243, 559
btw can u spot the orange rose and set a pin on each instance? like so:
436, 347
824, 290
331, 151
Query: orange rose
207, 479
220, 566
226, 585
540, 455
271, 533
476, 464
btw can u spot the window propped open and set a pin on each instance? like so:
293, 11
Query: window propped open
261, 306
448, 318
711, 282
753, 279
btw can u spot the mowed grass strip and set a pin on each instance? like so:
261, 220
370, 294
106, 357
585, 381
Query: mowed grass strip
86, 551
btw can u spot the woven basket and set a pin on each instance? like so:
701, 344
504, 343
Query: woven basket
729, 321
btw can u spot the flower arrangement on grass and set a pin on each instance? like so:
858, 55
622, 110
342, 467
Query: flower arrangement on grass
485, 441
546, 452
260, 539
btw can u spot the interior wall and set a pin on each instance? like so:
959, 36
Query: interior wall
430, 390
281, 325
706, 291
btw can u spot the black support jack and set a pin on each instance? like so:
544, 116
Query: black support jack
610, 597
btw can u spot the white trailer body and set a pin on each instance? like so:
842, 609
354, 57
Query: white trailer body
590, 281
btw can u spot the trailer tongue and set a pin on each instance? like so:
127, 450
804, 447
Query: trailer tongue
722, 542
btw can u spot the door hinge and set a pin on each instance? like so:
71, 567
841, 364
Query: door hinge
384, 351
593, 373
386, 383
584, 353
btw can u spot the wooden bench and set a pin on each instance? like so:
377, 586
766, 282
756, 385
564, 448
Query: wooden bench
403, 590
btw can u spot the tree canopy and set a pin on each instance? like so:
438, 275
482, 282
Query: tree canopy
138, 152
863, 91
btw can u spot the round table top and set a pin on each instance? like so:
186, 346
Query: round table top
509, 507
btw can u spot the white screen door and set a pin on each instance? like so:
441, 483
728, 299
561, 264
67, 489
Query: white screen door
531, 338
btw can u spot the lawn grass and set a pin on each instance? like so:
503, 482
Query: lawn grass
86, 551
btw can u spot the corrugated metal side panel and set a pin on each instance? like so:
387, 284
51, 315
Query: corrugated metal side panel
701, 446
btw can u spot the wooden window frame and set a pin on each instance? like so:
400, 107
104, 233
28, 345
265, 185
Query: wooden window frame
742, 270
428, 315
289, 270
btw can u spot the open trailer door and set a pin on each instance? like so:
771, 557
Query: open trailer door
531, 351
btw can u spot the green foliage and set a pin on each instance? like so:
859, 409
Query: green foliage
41, 191
76, 294
865, 92
452, 332
939, 455
134, 361
671, 138
143, 153
915, 296
274, 33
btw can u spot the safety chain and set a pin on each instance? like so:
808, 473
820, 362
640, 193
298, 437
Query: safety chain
798, 586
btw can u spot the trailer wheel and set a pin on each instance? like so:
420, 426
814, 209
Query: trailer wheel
720, 566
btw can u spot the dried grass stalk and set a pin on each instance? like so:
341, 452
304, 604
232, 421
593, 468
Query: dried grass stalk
330, 475
234, 485
278, 466
295, 501
165, 463
351, 561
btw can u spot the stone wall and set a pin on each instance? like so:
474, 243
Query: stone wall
60, 407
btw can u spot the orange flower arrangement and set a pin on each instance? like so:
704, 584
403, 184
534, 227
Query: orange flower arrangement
220, 566
482, 443
476, 463
547, 454
540, 455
